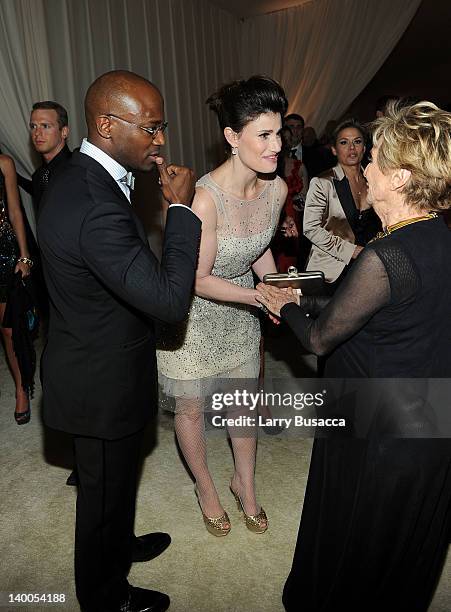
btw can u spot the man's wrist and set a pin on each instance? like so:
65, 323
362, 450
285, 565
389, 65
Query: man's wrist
182, 205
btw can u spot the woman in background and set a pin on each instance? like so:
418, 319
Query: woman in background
338, 220
14, 257
239, 204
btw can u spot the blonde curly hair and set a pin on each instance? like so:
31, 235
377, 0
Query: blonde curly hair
417, 138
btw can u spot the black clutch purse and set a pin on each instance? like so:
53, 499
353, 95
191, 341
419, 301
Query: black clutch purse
307, 283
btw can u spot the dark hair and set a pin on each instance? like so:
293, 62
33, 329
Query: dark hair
382, 102
239, 102
296, 117
402, 101
63, 120
348, 123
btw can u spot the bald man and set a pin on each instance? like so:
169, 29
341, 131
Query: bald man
106, 289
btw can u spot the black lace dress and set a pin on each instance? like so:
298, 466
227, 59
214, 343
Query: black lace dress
376, 520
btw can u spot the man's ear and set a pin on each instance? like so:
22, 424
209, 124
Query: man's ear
65, 132
231, 136
400, 178
103, 125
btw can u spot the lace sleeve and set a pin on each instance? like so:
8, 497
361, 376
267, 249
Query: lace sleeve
382, 274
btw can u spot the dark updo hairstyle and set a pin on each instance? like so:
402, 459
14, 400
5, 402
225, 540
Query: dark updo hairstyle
239, 102
348, 123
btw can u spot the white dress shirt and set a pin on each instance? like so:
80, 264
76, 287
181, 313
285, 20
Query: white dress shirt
113, 168
298, 151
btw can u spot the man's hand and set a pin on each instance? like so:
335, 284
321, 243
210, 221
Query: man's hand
176, 182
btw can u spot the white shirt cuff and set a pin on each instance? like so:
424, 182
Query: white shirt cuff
183, 206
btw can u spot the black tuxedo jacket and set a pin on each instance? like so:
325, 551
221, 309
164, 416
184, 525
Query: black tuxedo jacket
53, 167
106, 287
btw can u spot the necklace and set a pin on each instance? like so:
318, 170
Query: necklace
356, 181
396, 226
357, 186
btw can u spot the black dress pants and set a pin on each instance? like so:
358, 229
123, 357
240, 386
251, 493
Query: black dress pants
107, 474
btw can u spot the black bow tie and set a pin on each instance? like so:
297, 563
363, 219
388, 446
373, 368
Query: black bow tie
293, 154
129, 180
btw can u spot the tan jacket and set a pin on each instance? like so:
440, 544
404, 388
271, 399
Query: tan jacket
326, 226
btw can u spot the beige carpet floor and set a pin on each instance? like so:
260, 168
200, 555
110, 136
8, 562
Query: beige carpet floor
242, 572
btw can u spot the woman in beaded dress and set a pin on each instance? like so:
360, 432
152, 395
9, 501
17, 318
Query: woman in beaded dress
239, 205
14, 257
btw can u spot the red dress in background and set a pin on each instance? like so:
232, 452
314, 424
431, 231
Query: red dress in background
285, 250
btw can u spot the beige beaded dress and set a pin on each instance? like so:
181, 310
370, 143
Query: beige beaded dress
220, 340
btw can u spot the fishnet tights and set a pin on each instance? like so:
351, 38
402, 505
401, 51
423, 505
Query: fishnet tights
190, 432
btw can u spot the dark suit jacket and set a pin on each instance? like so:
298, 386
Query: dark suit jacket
106, 287
34, 186
53, 167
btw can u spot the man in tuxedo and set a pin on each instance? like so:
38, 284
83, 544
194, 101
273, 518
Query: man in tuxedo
106, 288
296, 124
49, 130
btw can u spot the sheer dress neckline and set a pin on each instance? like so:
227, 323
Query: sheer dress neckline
232, 195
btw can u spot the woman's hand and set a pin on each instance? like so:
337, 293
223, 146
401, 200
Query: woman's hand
289, 229
23, 268
274, 299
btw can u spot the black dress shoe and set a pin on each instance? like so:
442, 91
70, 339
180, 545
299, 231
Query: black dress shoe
72, 480
149, 546
139, 600
144, 600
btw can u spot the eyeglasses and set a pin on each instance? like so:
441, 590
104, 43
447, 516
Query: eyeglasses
153, 131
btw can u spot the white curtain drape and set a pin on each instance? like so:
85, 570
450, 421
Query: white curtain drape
326, 51
323, 52
186, 47
53, 49
25, 70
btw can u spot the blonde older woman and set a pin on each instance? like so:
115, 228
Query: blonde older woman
377, 514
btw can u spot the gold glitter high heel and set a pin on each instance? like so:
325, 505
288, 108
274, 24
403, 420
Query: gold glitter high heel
214, 525
257, 523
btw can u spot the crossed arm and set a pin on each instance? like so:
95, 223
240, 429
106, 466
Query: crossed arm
112, 249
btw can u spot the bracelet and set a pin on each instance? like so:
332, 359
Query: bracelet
26, 260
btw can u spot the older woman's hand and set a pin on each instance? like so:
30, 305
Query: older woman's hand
274, 298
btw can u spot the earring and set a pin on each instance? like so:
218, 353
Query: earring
234, 150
